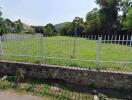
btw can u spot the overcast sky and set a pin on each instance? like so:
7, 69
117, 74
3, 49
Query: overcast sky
41, 12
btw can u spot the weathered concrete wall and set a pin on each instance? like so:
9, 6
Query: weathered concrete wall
85, 77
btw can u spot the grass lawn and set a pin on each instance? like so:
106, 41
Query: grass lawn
58, 50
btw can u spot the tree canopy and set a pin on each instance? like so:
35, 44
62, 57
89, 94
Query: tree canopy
49, 29
107, 19
128, 22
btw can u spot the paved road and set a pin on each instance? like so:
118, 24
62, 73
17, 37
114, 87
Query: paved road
13, 96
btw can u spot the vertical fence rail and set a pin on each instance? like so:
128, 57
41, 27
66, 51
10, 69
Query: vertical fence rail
1, 48
98, 51
74, 47
41, 50
131, 45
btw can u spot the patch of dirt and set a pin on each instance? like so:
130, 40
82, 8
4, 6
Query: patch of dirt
10, 95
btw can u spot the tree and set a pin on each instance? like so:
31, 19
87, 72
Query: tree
79, 26
38, 29
49, 30
92, 14
65, 30
69, 28
108, 15
1, 17
128, 22
2, 26
124, 6
93, 22
8, 25
19, 26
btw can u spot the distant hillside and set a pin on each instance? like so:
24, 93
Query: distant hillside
61, 25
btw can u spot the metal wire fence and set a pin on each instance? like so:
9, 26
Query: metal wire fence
109, 52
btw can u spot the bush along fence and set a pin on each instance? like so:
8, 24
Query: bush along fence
113, 52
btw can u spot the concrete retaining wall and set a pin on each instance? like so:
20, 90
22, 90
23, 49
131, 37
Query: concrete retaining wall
102, 79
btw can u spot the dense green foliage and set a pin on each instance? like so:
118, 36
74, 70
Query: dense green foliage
8, 26
105, 20
124, 6
93, 22
108, 15
49, 29
128, 21
1, 24
38, 29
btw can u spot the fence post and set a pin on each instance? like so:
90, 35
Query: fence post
98, 52
131, 41
1, 48
41, 50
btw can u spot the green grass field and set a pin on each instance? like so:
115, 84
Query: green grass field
58, 50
